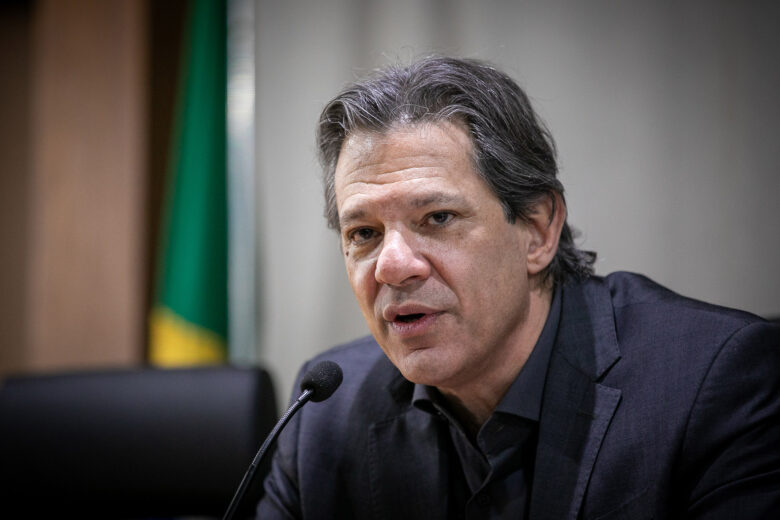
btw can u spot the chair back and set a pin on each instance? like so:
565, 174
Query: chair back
132, 443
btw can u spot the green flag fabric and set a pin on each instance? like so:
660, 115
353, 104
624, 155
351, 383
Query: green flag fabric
189, 319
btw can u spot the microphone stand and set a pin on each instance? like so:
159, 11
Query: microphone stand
250, 473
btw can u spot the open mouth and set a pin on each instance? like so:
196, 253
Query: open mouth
410, 324
409, 318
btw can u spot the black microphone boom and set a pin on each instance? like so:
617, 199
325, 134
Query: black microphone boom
318, 383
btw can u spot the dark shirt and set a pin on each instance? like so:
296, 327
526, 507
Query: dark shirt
491, 475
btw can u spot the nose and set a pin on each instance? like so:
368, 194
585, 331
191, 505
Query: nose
398, 262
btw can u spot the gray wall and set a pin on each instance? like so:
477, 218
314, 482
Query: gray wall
665, 115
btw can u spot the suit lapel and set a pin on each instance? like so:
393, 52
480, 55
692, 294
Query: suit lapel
576, 409
574, 421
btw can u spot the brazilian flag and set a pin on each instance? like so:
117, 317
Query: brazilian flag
189, 318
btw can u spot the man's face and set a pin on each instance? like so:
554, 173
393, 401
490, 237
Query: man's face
439, 273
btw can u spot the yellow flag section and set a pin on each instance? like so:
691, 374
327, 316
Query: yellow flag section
179, 343
189, 319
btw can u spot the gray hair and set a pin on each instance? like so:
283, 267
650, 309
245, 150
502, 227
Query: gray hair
513, 151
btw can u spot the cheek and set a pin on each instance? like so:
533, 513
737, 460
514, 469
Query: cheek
489, 277
361, 279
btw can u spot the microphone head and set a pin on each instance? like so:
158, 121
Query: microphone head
323, 378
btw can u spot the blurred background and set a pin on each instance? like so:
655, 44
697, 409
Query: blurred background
665, 114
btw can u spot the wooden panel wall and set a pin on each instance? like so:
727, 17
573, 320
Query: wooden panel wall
81, 190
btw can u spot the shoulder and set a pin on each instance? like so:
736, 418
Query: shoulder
705, 360
631, 289
700, 397
663, 337
642, 305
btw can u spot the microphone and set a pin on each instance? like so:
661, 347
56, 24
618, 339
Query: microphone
322, 379
318, 383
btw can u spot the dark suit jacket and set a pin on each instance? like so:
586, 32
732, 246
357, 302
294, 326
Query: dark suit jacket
655, 406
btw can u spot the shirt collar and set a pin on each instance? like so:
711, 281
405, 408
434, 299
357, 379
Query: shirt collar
524, 397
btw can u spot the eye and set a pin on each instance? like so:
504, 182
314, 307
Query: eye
441, 218
361, 235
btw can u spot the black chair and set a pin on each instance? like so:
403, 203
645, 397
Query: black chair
131, 443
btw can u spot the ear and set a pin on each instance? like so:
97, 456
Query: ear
544, 228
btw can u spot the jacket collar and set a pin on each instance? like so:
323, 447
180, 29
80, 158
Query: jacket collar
576, 409
586, 335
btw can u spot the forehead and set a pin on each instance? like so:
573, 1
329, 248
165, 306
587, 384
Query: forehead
422, 141
427, 160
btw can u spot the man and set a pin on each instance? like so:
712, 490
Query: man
503, 379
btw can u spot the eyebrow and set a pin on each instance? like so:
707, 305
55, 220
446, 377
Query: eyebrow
436, 198
416, 203
355, 214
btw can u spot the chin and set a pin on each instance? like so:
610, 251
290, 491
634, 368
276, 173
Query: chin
425, 368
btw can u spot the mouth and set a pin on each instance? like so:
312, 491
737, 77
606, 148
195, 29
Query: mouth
412, 324
409, 318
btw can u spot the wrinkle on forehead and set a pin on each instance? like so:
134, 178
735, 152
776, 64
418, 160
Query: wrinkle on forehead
380, 177
400, 150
